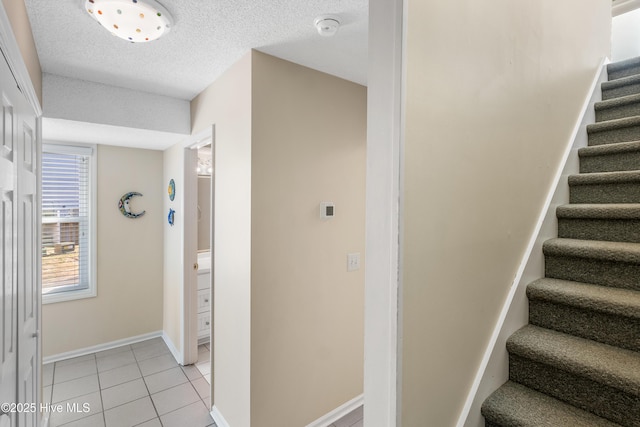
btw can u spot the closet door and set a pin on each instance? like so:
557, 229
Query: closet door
8, 247
19, 367
26, 172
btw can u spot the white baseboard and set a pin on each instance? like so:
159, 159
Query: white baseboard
338, 413
493, 371
100, 347
218, 418
172, 348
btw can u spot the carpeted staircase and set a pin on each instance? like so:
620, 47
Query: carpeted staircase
577, 362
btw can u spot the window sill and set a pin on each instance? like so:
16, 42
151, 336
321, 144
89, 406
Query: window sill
68, 296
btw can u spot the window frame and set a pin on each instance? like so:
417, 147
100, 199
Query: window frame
67, 292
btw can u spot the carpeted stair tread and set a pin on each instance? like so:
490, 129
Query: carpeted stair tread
613, 124
617, 102
624, 68
622, 81
623, 252
617, 108
621, 302
516, 405
621, 87
615, 130
607, 149
600, 221
599, 211
619, 156
618, 177
611, 366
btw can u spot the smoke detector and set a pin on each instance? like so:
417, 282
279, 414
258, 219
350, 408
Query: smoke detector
327, 25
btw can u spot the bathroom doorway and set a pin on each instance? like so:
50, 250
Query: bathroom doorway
204, 170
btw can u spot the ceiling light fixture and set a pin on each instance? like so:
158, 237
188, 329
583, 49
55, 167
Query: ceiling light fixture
137, 21
327, 25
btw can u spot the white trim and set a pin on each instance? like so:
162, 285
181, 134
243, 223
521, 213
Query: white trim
189, 321
101, 347
218, 418
9, 46
514, 314
384, 139
342, 410
618, 7
172, 348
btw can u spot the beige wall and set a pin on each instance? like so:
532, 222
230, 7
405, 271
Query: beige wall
288, 318
173, 246
17, 13
227, 104
307, 311
129, 279
489, 110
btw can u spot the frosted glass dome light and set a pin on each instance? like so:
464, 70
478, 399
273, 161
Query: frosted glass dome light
136, 21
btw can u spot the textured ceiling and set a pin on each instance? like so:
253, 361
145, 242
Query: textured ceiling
208, 36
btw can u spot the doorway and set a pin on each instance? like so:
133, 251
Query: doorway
204, 171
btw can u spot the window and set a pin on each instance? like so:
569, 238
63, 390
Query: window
68, 222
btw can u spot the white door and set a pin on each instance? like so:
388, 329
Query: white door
28, 363
8, 256
19, 369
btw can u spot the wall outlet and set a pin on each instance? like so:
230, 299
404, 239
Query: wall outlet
353, 261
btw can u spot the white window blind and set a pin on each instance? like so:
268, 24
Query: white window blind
66, 219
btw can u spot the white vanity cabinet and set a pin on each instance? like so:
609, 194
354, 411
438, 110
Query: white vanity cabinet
204, 303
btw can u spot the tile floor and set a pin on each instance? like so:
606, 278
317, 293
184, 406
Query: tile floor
137, 385
134, 385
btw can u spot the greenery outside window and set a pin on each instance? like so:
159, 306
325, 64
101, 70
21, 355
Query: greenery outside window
68, 222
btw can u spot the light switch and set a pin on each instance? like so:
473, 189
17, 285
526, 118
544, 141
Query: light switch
353, 261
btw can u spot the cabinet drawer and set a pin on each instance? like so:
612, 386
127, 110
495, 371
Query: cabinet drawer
203, 301
204, 281
204, 324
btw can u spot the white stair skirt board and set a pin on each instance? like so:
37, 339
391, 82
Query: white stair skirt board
338, 413
172, 348
101, 347
218, 418
493, 370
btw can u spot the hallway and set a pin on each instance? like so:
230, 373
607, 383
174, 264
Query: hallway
133, 385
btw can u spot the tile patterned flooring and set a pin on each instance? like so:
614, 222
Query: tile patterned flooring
137, 385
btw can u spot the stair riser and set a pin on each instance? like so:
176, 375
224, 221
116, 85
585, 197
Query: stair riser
597, 272
628, 192
625, 134
606, 328
619, 112
625, 72
611, 162
605, 401
612, 230
632, 89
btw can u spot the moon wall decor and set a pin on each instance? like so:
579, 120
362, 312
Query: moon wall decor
124, 207
171, 217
